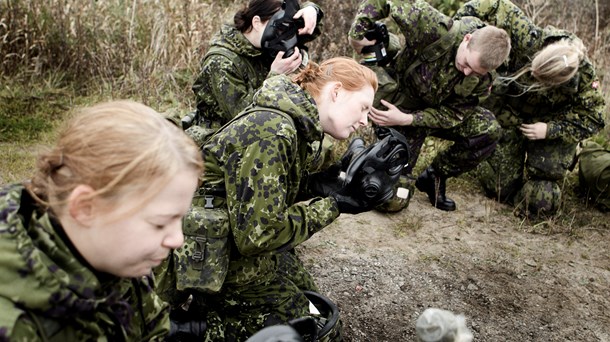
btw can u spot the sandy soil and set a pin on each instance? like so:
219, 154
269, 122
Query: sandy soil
512, 280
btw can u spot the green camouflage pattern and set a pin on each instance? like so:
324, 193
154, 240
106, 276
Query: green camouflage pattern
227, 80
231, 71
538, 199
443, 101
41, 277
203, 260
396, 203
257, 162
199, 134
573, 112
594, 173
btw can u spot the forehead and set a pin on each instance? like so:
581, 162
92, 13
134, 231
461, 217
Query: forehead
365, 94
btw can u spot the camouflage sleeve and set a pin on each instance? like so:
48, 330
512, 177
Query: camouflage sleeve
465, 100
228, 87
155, 312
258, 189
368, 12
505, 15
418, 21
585, 117
23, 329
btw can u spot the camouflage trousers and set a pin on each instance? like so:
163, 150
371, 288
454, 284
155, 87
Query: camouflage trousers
238, 312
474, 139
527, 174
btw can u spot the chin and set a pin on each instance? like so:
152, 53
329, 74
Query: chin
341, 135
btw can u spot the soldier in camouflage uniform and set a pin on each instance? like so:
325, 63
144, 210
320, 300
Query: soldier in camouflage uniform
235, 66
78, 242
545, 107
254, 173
441, 73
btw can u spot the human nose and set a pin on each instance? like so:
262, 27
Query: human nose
174, 238
364, 120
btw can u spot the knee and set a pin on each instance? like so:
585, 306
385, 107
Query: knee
539, 198
494, 131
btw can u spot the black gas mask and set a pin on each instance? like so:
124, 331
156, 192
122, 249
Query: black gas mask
374, 170
281, 33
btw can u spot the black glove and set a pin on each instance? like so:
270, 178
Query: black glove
182, 328
325, 182
350, 202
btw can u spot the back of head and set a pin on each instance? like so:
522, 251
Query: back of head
352, 75
117, 148
493, 44
265, 9
558, 62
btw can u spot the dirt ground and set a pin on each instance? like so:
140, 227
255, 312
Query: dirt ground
511, 280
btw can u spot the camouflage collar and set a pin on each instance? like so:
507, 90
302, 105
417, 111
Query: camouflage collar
281, 93
231, 38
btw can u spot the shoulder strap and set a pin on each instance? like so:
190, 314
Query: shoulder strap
251, 109
438, 48
231, 55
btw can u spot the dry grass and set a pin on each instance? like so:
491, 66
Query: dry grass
150, 51
137, 49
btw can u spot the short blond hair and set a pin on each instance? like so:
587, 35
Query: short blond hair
117, 148
493, 44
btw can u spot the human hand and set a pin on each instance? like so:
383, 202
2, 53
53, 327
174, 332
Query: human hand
350, 202
359, 44
325, 182
310, 18
287, 65
390, 117
535, 131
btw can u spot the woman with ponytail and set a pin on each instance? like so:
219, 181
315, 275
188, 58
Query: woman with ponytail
547, 98
255, 169
78, 242
236, 62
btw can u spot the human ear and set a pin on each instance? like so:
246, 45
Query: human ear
335, 91
257, 23
467, 37
80, 204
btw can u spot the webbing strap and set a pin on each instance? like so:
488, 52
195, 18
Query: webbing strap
437, 49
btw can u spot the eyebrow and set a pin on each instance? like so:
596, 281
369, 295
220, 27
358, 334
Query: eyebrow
164, 216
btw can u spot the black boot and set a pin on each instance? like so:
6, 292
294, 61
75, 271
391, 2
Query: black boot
434, 186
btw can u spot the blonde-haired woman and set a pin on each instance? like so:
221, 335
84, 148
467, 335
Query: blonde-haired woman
254, 173
546, 104
79, 240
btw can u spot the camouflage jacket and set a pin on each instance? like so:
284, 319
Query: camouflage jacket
232, 70
47, 292
258, 161
435, 87
573, 111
